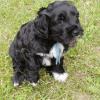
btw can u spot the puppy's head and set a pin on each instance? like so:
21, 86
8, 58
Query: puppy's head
61, 22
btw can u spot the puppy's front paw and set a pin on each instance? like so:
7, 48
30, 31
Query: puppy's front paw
16, 84
61, 77
33, 84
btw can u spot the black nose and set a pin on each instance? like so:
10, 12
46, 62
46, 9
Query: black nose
71, 28
75, 30
74, 26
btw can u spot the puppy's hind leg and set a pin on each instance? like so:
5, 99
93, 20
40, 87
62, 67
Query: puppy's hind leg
32, 71
18, 73
33, 77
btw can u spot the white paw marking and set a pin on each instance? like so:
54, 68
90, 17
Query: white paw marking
60, 77
16, 84
33, 84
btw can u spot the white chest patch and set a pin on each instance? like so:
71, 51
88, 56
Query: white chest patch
46, 61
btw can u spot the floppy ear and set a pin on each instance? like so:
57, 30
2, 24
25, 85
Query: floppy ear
42, 23
40, 10
44, 11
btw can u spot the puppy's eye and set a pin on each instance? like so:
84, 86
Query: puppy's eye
75, 14
61, 17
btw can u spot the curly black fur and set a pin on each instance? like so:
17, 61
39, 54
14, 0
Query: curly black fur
59, 22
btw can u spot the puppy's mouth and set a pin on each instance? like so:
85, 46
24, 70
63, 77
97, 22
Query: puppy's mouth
75, 35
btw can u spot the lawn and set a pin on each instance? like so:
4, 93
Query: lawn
82, 62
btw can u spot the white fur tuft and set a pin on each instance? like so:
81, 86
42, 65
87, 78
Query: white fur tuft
33, 84
16, 84
46, 61
61, 77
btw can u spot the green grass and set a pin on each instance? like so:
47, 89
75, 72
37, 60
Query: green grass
82, 62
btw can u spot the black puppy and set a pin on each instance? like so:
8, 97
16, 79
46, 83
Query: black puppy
59, 22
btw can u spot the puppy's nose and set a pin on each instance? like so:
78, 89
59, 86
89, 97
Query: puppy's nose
74, 27
71, 28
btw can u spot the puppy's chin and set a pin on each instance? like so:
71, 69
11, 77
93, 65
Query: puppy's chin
72, 43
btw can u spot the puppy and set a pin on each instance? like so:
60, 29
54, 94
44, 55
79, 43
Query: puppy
59, 22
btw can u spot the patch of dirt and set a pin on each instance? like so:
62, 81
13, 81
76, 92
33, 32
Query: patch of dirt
80, 75
81, 96
97, 49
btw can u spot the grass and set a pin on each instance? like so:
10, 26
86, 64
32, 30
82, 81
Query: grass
82, 62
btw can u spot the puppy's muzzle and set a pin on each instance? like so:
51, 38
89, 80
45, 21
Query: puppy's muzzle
75, 30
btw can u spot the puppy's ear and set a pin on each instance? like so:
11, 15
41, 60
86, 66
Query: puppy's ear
44, 11
42, 23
